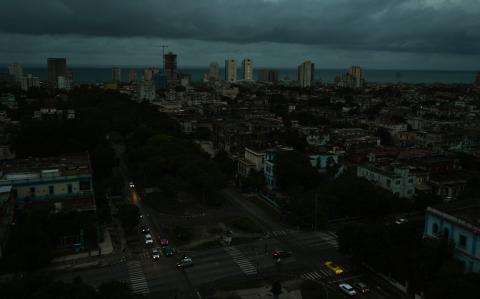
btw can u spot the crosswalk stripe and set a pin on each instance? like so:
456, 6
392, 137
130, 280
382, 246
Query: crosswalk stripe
138, 281
241, 260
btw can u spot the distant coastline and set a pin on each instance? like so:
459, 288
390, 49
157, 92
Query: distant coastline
91, 74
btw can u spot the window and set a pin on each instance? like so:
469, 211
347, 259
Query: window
410, 181
69, 188
84, 185
446, 233
32, 191
435, 228
51, 190
388, 183
397, 182
462, 241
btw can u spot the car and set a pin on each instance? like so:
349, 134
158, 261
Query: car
144, 229
347, 289
148, 239
164, 242
184, 263
361, 287
131, 184
401, 220
281, 253
333, 267
168, 250
155, 254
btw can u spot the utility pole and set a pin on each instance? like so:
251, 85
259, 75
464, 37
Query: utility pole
163, 56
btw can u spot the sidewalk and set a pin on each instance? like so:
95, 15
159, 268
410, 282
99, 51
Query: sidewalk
89, 259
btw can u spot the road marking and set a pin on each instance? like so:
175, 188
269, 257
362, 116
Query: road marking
241, 260
138, 281
311, 276
345, 278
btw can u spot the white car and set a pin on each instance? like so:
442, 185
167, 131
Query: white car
347, 289
401, 220
148, 239
155, 254
131, 184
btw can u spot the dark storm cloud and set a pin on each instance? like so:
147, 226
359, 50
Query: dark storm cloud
419, 26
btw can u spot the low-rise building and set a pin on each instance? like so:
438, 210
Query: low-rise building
399, 181
65, 181
459, 223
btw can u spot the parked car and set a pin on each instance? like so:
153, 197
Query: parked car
155, 254
333, 267
281, 253
131, 185
361, 287
148, 239
164, 242
168, 250
347, 289
184, 263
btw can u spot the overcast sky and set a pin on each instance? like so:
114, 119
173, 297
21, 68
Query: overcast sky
384, 34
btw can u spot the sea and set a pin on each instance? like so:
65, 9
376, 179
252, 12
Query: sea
94, 74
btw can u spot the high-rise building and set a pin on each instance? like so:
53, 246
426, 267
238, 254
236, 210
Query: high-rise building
146, 90
64, 83
352, 79
149, 73
56, 67
213, 71
305, 74
16, 71
230, 70
247, 67
132, 76
117, 74
28, 82
357, 76
170, 66
266, 75
477, 81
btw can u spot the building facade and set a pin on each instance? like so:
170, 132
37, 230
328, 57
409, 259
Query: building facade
56, 67
117, 74
146, 90
247, 68
230, 70
132, 76
16, 71
170, 66
306, 74
65, 181
213, 71
399, 181
459, 224
267, 75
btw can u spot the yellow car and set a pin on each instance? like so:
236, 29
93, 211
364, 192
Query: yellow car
333, 267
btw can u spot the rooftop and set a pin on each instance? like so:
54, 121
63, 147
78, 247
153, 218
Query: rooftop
467, 212
64, 165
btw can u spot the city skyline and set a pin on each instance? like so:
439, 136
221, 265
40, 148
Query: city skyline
333, 34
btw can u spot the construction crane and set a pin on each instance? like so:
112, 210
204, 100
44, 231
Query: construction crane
163, 56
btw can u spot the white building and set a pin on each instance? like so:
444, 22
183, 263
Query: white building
132, 76
230, 70
247, 67
117, 74
213, 71
64, 83
16, 71
399, 181
146, 90
357, 76
305, 74
28, 82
